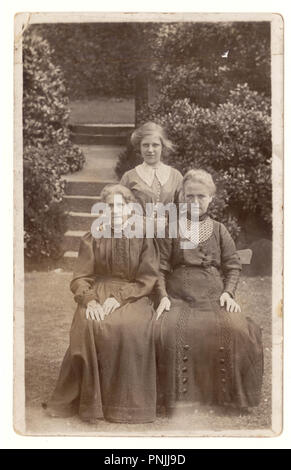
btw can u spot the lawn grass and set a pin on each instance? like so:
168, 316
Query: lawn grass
102, 111
49, 309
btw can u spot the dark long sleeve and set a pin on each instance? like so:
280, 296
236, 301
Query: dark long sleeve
83, 281
165, 247
230, 262
160, 288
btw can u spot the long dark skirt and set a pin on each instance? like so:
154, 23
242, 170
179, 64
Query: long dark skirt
204, 353
109, 370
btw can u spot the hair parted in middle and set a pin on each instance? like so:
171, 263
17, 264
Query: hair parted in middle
199, 176
117, 188
150, 128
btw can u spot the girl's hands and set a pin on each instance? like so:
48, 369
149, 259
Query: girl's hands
229, 302
94, 311
165, 304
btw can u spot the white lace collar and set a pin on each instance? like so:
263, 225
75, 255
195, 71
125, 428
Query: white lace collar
197, 232
147, 173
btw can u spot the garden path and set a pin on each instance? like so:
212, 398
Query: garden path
83, 190
99, 165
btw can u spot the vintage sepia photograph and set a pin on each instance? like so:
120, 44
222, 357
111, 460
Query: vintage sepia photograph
148, 224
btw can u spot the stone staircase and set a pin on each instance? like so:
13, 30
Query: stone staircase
100, 134
79, 199
101, 145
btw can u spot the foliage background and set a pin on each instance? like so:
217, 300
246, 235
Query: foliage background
209, 84
214, 101
101, 59
47, 150
105, 58
232, 141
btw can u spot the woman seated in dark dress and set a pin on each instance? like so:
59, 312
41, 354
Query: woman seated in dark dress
208, 350
109, 370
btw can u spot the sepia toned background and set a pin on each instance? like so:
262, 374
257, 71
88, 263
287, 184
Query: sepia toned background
85, 86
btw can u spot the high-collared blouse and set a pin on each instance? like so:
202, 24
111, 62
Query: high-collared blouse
142, 182
216, 249
134, 261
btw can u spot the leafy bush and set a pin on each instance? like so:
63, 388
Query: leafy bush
45, 103
44, 220
232, 141
204, 61
95, 57
48, 152
185, 58
127, 160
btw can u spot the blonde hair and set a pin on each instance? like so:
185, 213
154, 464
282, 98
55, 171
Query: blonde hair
147, 129
200, 176
117, 189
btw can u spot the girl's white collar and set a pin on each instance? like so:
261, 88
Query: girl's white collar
147, 173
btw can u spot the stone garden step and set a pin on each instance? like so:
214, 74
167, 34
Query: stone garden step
85, 187
99, 129
98, 134
80, 220
99, 139
71, 254
72, 240
68, 262
80, 203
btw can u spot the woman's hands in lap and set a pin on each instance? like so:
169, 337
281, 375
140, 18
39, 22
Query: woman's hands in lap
96, 311
110, 305
229, 303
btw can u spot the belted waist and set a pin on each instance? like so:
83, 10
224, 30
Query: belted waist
112, 279
203, 265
